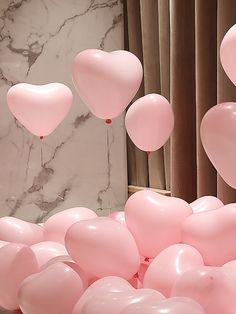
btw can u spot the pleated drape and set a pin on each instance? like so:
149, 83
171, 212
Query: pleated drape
178, 43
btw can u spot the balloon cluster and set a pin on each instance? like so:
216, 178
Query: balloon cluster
161, 255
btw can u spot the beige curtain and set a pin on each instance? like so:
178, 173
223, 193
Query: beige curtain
178, 43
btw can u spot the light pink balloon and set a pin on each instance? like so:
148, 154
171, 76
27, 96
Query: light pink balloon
149, 122
118, 216
40, 108
210, 287
17, 230
155, 220
227, 53
54, 290
213, 234
177, 305
103, 247
46, 250
103, 286
115, 302
107, 81
56, 226
205, 203
17, 261
169, 265
218, 134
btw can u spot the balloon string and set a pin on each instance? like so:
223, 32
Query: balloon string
41, 157
108, 166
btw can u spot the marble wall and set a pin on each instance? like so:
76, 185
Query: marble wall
84, 162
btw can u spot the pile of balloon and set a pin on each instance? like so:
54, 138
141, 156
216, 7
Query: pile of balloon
161, 254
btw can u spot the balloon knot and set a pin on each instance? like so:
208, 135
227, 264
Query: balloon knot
18, 311
41, 137
148, 153
146, 259
108, 121
136, 275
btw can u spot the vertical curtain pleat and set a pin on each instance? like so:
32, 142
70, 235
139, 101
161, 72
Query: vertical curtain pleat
206, 86
182, 89
164, 49
152, 84
226, 91
137, 160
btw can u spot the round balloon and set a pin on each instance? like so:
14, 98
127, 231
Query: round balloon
149, 122
40, 108
227, 53
218, 135
107, 81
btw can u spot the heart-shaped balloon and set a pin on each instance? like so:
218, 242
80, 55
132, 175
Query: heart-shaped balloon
177, 305
46, 250
17, 261
56, 226
103, 286
107, 81
103, 247
169, 265
218, 134
206, 203
210, 287
54, 290
212, 232
227, 53
115, 302
40, 108
149, 122
155, 220
16, 230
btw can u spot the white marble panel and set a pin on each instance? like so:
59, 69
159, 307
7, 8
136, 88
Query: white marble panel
84, 162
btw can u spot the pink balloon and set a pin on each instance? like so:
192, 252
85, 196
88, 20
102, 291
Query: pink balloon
16, 230
155, 220
149, 122
103, 286
46, 250
169, 265
178, 305
205, 203
118, 216
213, 234
103, 247
218, 134
40, 108
210, 287
227, 53
54, 290
107, 81
56, 226
17, 261
3, 243
115, 302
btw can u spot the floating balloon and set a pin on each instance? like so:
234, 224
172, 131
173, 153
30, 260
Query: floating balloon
107, 81
149, 122
56, 226
17, 262
210, 287
155, 220
218, 134
40, 108
177, 305
205, 203
227, 53
212, 233
54, 290
169, 265
16, 230
103, 247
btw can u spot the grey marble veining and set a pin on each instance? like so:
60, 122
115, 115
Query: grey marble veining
83, 163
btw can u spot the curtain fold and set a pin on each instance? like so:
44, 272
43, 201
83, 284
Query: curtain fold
178, 43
